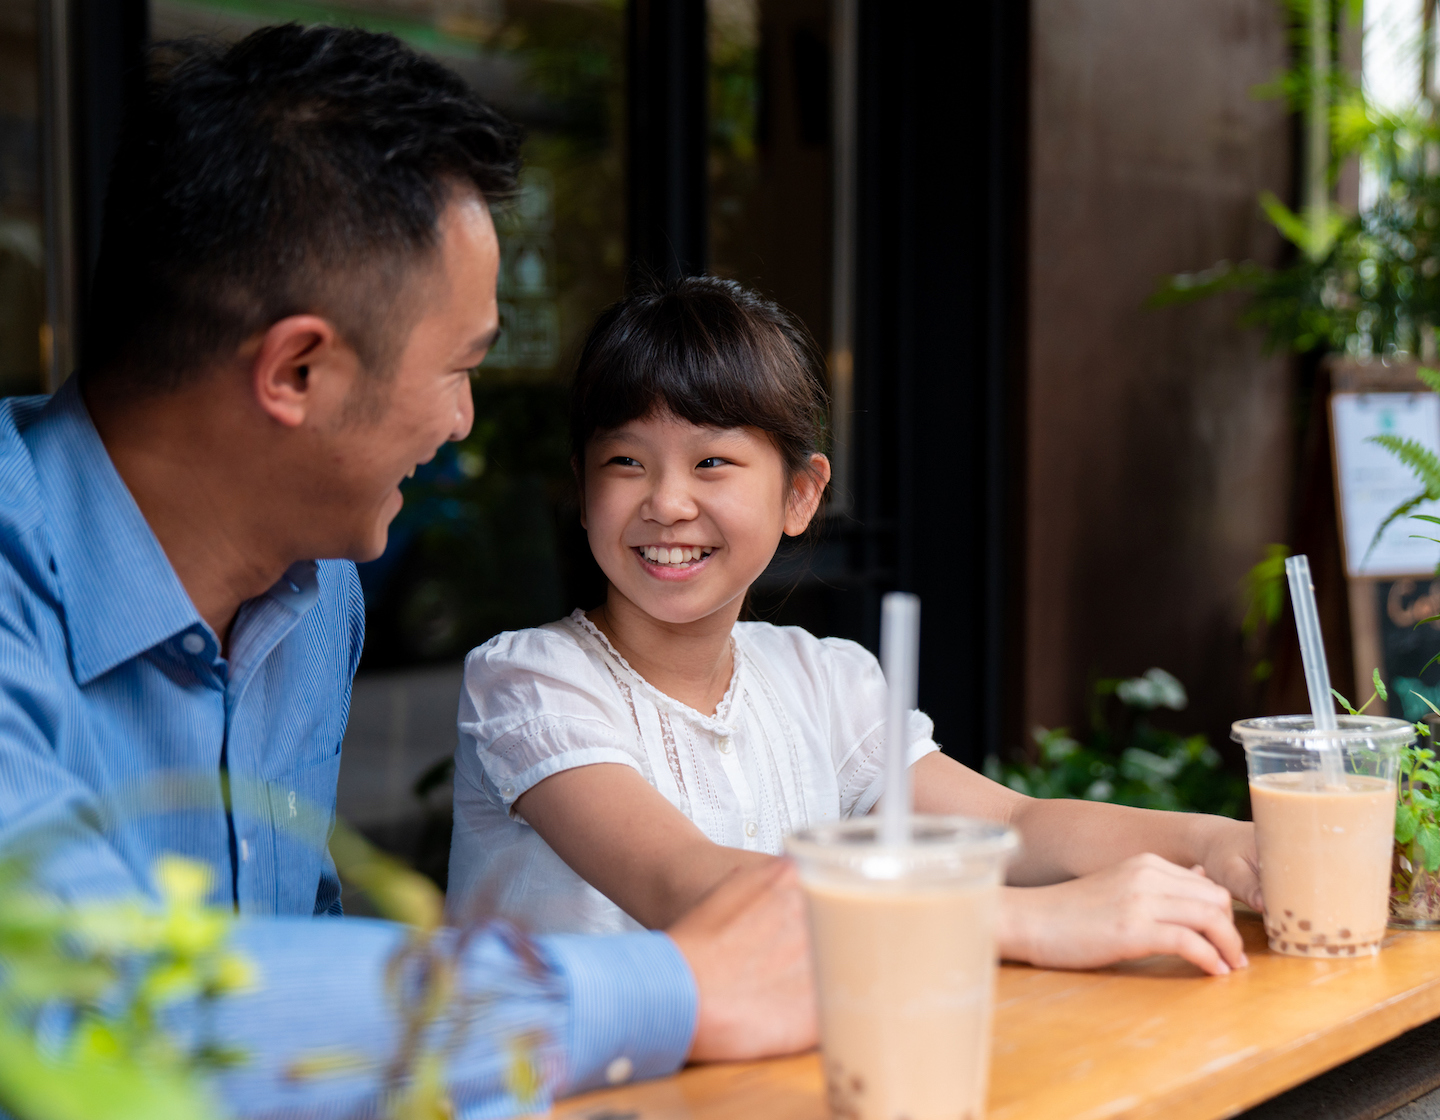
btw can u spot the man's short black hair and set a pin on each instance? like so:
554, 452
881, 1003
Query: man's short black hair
301, 170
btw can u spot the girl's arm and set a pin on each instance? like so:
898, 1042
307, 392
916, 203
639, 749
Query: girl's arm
617, 832
1065, 839
1120, 900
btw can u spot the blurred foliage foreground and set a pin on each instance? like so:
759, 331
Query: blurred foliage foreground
84, 989
1126, 759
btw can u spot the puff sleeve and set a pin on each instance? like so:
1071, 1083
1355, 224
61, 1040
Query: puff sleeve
856, 700
535, 703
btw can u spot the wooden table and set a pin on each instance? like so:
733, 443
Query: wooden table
1150, 1039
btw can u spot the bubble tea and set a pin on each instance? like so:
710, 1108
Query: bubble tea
1324, 829
904, 946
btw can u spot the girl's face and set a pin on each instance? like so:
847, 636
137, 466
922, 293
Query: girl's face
683, 519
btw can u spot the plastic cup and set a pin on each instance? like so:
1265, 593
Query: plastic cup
904, 946
1324, 837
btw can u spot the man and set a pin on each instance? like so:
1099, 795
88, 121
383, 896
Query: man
296, 277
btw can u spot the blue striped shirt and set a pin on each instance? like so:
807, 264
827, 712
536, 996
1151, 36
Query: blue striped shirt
118, 717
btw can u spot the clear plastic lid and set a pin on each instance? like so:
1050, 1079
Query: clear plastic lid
1298, 732
939, 847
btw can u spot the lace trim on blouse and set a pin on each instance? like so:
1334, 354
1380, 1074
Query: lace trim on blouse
718, 724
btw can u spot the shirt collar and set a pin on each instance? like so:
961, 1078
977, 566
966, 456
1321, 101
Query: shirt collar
122, 597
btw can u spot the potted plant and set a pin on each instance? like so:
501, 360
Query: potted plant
1415, 874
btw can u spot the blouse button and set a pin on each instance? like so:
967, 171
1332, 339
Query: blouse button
724, 744
507, 791
751, 828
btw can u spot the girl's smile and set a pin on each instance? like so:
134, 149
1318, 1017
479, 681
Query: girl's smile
674, 562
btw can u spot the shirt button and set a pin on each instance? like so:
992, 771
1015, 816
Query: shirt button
724, 744
192, 643
619, 1070
507, 791
751, 828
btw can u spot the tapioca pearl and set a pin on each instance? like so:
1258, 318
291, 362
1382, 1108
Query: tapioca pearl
1289, 913
1305, 925
1284, 945
1303, 946
1352, 949
1318, 939
1285, 926
1333, 950
1344, 933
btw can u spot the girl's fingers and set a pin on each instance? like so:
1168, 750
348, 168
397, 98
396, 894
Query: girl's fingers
1216, 924
1161, 877
1186, 943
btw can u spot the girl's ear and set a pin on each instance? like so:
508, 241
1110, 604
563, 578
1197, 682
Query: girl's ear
579, 486
806, 490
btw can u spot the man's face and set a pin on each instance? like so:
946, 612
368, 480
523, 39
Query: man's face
390, 426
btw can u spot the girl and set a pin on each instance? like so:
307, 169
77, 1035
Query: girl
615, 766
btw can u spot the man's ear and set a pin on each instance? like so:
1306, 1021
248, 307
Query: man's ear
806, 490
575, 469
281, 371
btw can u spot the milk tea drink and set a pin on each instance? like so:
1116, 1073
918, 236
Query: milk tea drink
907, 978
1324, 809
1324, 861
904, 948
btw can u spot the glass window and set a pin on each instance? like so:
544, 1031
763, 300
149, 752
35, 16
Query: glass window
773, 176
23, 336
770, 173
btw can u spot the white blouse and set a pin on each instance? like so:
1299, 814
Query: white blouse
797, 740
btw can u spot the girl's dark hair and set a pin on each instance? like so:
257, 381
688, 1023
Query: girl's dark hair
708, 351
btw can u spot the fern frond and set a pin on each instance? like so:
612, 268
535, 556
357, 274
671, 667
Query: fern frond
1394, 515
1431, 378
1422, 462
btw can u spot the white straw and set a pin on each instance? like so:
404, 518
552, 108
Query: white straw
1312, 654
900, 658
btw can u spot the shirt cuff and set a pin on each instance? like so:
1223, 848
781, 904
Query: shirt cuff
632, 1003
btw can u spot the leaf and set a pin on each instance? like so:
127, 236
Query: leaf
1314, 234
1188, 287
1423, 463
1343, 702
1426, 702
1407, 820
1380, 686
1431, 378
33, 1084
1265, 590
1393, 516
1427, 838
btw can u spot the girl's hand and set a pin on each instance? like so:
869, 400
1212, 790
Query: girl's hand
1137, 908
1229, 859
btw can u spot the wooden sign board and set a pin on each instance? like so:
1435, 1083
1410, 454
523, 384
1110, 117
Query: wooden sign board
1391, 581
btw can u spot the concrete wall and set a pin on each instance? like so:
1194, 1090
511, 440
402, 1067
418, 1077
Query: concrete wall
1160, 442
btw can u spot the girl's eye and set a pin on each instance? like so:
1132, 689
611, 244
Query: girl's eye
713, 461
621, 461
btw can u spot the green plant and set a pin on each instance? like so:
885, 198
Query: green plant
113, 967
1414, 890
1126, 759
1364, 284
116, 965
